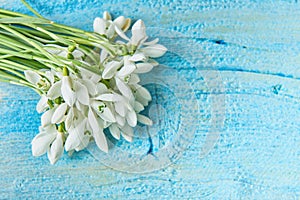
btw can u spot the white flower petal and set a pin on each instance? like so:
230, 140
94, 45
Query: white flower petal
56, 150
75, 135
100, 140
151, 42
110, 32
42, 104
46, 117
143, 92
154, 51
99, 25
79, 106
88, 75
84, 143
124, 89
101, 88
103, 55
144, 120
41, 142
50, 76
138, 107
134, 79
110, 69
143, 101
138, 56
90, 87
106, 124
131, 118
115, 131
127, 130
54, 91
107, 115
69, 119
143, 68
126, 70
120, 21
120, 120
95, 78
127, 137
138, 32
32, 76
109, 97
66, 91
106, 16
73, 140
121, 33
59, 114
82, 93
120, 108
93, 121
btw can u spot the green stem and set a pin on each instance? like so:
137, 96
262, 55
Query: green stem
7, 76
16, 45
13, 71
15, 65
31, 42
31, 9
34, 65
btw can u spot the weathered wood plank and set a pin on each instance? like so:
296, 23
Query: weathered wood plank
252, 46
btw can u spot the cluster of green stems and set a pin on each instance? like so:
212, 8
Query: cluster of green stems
22, 46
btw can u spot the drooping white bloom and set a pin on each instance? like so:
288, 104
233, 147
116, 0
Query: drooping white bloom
56, 149
42, 105
32, 77
123, 110
77, 136
48, 140
141, 94
37, 80
105, 26
41, 142
138, 31
59, 113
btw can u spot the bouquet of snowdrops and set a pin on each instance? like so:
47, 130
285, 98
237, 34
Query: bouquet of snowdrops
87, 81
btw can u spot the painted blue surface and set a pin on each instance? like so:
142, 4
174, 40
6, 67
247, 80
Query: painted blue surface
234, 61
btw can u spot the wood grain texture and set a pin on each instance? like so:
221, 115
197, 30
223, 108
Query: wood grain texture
251, 46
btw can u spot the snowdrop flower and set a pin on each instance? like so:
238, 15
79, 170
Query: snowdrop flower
37, 80
105, 26
42, 141
48, 140
78, 137
122, 108
102, 110
141, 94
56, 149
97, 126
71, 90
42, 104
126, 131
138, 38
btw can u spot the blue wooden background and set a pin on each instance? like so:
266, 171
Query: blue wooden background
226, 108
